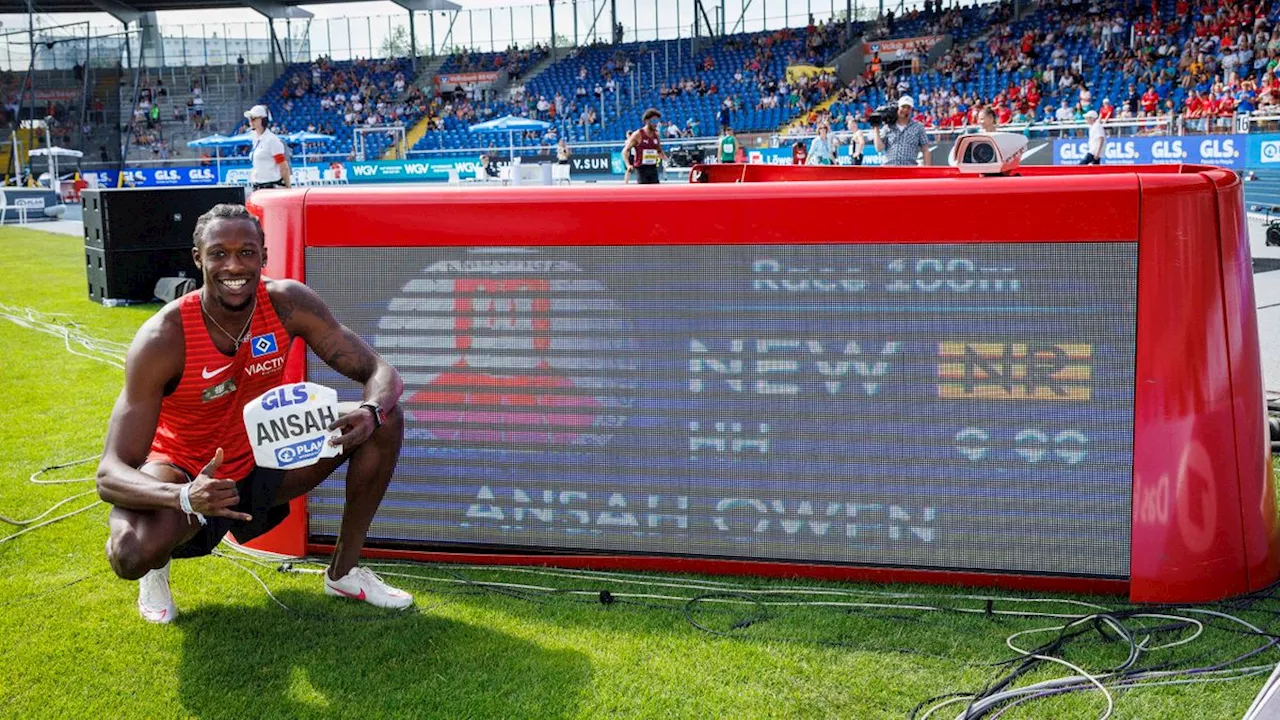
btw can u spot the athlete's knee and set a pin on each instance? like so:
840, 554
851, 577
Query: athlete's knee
130, 556
124, 553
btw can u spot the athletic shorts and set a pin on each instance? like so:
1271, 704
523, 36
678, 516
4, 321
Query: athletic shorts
257, 499
647, 174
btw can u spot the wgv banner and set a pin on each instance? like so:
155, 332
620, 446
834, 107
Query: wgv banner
410, 170
1228, 151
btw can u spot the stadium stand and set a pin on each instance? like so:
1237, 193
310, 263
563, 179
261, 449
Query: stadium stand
597, 92
1203, 64
333, 98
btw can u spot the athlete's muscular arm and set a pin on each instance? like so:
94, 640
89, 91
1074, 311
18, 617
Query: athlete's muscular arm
155, 360
305, 315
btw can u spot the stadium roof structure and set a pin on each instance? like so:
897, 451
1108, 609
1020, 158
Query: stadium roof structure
127, 11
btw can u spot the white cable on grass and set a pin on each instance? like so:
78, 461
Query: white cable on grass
105, 351
944, 703
50, 521
60, 466
254, 575
1199, 630
20, 523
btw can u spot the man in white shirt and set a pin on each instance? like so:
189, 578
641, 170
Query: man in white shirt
1097, 139
270, 163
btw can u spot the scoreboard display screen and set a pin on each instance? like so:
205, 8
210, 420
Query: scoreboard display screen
949, 406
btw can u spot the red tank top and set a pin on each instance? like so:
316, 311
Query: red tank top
647, 149
205, 411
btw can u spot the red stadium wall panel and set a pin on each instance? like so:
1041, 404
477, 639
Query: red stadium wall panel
1047, 382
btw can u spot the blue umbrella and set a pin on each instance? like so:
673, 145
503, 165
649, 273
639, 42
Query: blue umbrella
511, 125
221, 141
214, 141
302, 137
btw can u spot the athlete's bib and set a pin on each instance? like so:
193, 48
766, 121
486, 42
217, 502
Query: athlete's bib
649, 157
288, 425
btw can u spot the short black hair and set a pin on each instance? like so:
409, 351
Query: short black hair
224, 211
650, 113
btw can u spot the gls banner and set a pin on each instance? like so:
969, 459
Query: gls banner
168, 177
1226, 151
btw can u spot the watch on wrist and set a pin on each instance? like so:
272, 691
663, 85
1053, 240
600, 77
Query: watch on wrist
379, 416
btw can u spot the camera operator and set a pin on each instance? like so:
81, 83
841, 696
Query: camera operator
902, 141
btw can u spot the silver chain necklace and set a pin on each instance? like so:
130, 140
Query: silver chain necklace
244, 333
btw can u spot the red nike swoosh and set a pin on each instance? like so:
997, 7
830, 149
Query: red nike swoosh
344, 593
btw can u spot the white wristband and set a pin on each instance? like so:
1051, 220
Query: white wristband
184, 500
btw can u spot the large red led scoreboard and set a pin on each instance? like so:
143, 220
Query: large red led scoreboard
1049, 381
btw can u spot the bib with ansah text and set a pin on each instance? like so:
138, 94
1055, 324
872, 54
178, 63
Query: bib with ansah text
287, 425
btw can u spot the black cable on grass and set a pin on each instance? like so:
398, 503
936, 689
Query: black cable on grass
49, 591
1120, 624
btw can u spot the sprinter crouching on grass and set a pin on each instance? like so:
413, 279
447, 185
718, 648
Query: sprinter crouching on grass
178, 465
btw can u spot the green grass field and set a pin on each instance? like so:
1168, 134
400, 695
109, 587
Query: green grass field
74, 646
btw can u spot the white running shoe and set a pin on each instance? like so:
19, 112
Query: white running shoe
362, 584
155, 602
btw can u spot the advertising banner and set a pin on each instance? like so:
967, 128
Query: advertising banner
593, 163
1226, 151
1264, 151
889, 48
782, 155
464, 78
410, 170
169, 176
301, 174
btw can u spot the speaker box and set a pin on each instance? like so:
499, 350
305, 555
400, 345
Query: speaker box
132, 219
134, 237
124, 277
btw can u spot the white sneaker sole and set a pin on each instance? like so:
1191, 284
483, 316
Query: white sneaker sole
158, 616
389, 603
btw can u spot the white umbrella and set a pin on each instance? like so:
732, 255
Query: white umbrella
54, 153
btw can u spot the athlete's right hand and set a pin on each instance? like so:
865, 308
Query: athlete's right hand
215, 497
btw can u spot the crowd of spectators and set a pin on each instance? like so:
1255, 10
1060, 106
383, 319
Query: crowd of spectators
514, 60
1200, 64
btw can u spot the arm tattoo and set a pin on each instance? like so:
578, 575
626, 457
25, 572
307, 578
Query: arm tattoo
343, 351
339, 347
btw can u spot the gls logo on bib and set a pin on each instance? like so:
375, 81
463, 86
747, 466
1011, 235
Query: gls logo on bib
287, 425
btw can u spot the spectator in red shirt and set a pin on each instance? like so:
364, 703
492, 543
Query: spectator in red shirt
1150, 101
1107, 111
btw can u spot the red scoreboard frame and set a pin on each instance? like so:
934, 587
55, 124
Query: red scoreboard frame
1203, 504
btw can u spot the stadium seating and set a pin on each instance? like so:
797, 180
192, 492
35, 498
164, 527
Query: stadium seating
993, 51
298, 112
640, 71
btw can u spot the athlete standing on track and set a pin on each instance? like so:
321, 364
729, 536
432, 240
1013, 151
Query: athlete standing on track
643, 150
178, 466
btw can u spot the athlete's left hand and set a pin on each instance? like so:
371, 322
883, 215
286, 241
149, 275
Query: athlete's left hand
356, 424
